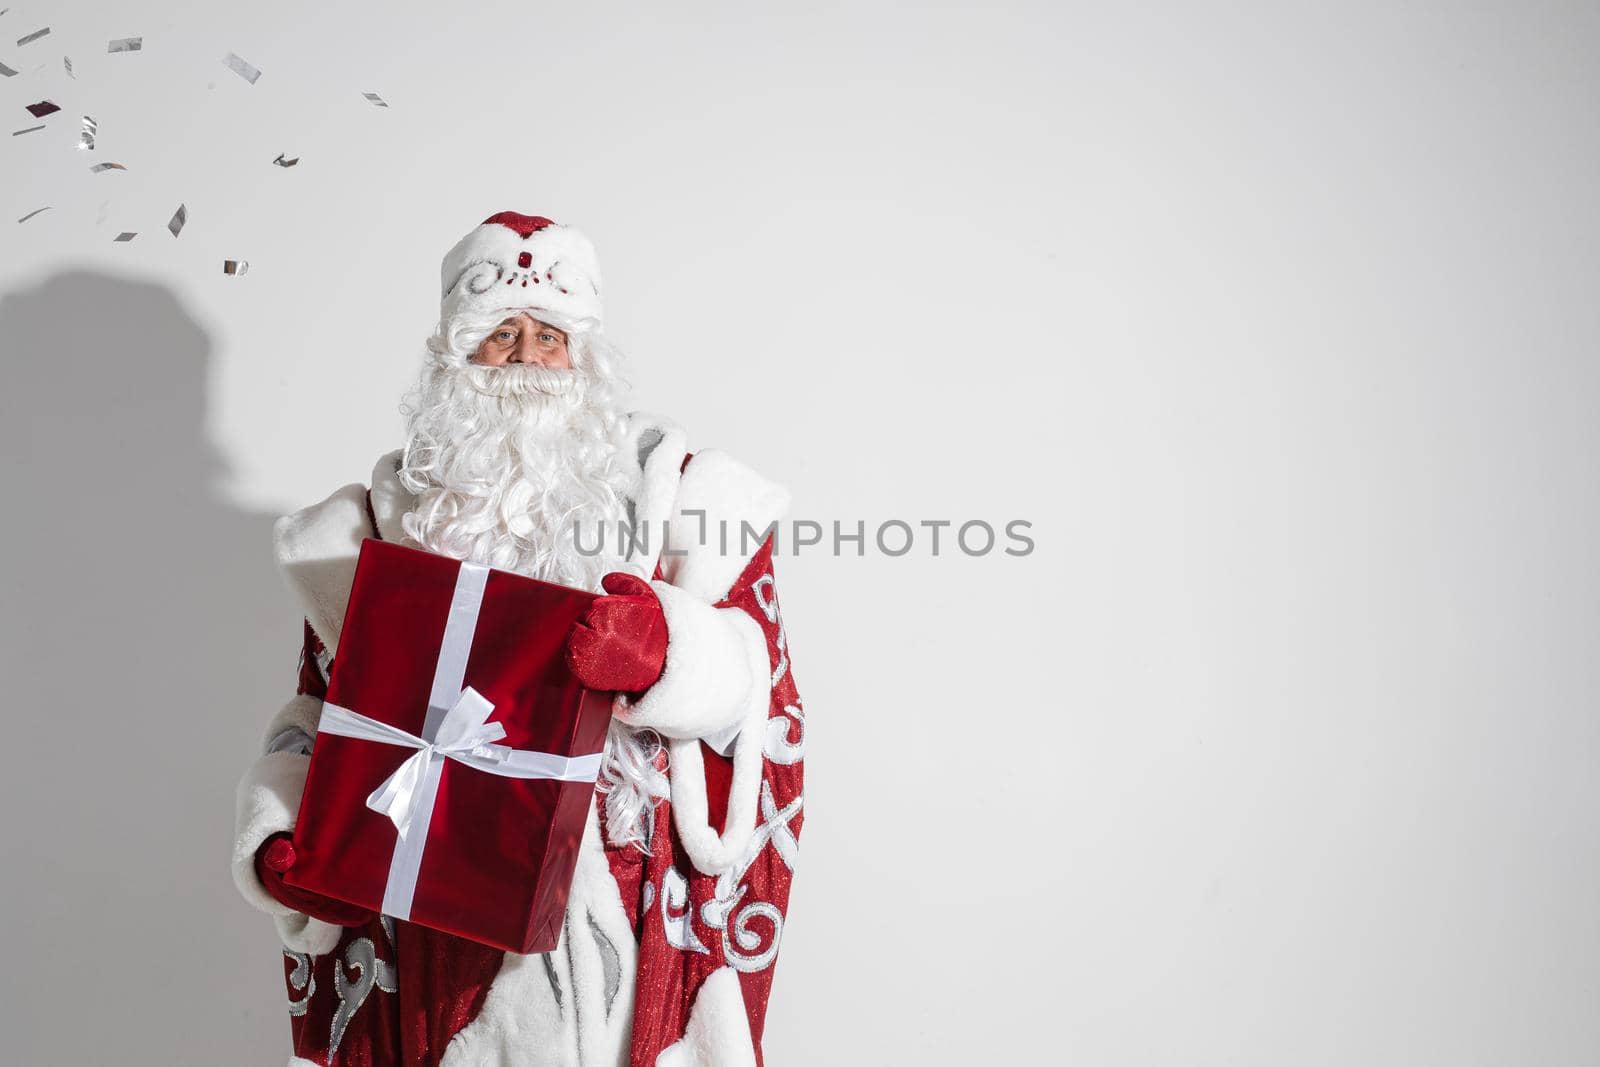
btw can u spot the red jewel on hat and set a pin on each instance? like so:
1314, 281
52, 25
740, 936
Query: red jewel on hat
525, 260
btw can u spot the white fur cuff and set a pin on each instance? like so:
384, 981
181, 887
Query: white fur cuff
302, 933
267, 801
717, 666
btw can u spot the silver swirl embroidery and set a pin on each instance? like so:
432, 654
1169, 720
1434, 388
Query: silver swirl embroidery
566, 277
777, 747
741, 944
714, 912
610, 964
765, 590
550, 973
774, 829
479, 277
362, 957
301, 979
738, 933
679, 924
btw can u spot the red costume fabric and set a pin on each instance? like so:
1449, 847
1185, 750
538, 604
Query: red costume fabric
393, 993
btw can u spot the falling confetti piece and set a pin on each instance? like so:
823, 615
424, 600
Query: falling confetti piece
7, 72
98, 167
179, 217
235, 266
32, 37
86, 139
375, 98
241, 68
124, 236
32, 213
66, 61
280, 161
126, 44
30, 129
43, 108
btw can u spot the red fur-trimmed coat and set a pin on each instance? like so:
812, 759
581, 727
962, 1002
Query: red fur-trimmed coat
665, 959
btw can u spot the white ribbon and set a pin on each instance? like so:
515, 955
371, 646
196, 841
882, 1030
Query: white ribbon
456, 728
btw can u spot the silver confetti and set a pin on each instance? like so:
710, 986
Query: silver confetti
235, 266
124, 236
7, 72
66, 61
280, 161
241, 68
30, 129
32, 37
179, 217
32, 213
86, 138
98, 167
126, 44
375, 98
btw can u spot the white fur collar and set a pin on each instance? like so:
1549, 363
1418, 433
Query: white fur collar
317, 549
390, 499
653, 448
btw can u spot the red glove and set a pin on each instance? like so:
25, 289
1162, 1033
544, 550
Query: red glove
621, 641
273, 858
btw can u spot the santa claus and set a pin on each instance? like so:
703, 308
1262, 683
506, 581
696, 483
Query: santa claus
518, 456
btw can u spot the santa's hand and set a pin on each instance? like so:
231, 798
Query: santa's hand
273, 859
621, 641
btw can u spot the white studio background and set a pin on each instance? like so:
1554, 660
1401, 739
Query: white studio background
1277, 321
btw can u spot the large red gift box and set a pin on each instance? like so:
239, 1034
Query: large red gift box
456, 756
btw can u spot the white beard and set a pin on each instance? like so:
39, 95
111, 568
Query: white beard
510, 465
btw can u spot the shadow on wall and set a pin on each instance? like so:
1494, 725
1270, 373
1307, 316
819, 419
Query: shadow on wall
147, 640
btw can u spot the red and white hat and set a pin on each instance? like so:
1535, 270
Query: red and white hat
523, 262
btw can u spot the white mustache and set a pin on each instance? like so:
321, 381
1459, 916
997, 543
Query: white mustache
520, 379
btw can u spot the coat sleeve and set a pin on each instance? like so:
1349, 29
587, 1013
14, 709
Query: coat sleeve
267, 800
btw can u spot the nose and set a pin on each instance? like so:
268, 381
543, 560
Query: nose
526, 351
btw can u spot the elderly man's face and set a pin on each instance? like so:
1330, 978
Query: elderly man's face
524, 339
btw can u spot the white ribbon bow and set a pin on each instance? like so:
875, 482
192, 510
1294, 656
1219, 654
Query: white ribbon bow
464, 736
407, 796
